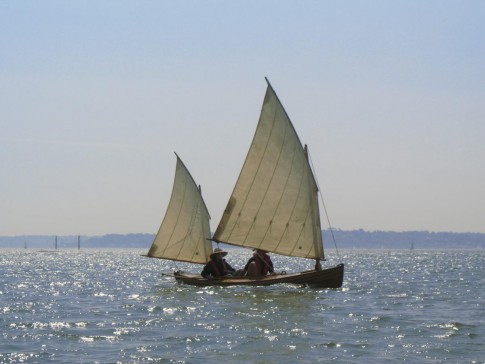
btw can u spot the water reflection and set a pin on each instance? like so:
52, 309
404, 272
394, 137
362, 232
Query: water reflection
117, 306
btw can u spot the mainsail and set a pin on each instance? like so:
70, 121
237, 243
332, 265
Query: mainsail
274, 205
185, 230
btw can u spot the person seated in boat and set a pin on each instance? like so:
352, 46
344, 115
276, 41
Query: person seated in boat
259, 264
217, 266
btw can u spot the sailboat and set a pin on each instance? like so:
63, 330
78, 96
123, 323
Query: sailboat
184, 234
273, 207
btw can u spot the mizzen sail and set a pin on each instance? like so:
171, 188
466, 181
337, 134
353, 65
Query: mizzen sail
185, 230
274, 205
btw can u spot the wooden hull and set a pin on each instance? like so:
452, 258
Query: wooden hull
326, 278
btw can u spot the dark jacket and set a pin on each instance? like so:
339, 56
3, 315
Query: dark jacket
263, 267
217, 268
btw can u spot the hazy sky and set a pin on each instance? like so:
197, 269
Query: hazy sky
95, 96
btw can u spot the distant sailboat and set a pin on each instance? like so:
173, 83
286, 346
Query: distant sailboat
273, 207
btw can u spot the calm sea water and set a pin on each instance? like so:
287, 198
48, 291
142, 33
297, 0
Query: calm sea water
116, 306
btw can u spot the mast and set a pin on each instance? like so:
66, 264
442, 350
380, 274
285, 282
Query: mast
317, 233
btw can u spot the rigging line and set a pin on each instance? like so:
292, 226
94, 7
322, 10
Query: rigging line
324, 206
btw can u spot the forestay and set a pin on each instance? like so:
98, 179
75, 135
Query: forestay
185, 230
274, 205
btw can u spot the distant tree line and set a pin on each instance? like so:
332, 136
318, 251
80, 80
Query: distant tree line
361, 239
345, 239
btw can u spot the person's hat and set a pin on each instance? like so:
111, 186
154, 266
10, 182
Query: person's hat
217, 251
260, 250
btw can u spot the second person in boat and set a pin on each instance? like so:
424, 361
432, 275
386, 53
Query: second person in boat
259, 264
217, 265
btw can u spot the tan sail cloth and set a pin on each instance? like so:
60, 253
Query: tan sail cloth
185, 228
274, 204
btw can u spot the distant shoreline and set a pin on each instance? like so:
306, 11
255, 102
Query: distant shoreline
345, 239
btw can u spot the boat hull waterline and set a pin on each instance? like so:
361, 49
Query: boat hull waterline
325, 278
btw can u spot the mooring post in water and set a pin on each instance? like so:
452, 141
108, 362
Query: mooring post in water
79, 242
56, 243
